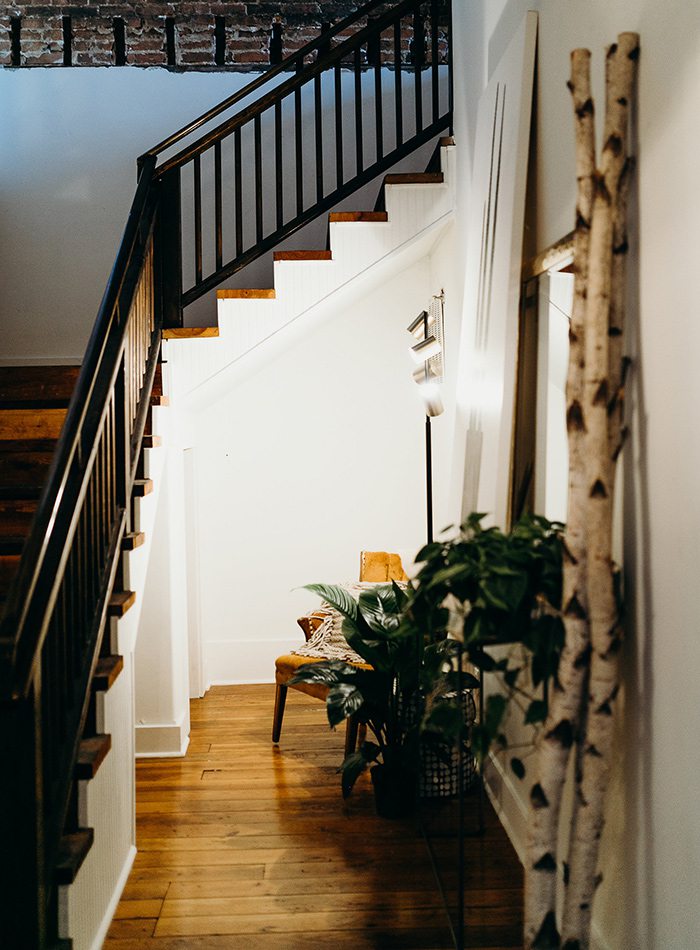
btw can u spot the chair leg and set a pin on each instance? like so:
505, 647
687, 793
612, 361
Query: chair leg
280, 700
351, 735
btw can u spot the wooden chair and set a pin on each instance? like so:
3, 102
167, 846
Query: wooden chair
375, 566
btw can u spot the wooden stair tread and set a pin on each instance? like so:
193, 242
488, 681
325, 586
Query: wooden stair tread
142, 486
160, 400
37, 385
132, 540
190, 333
302, 256
120, 602
447, 141
106, 672
23, 473
246, 293
158, 381
91, 754
151, 441
8, 568
337, 217
31, 423
72, 852
16, 515
414, 178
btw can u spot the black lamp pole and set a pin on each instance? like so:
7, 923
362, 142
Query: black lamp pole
428, 451
429, 478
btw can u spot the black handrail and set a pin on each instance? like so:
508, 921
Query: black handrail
323, 64
318, 44
52, 628
267, 204
31, 593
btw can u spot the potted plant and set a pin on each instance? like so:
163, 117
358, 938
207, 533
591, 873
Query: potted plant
408, 676
481, 589
485, 588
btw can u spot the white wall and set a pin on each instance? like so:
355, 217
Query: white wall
652, 842
68, 174
315, 457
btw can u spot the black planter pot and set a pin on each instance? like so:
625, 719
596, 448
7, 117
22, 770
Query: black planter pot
394, 791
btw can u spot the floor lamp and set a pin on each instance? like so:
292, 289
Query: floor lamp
429, 350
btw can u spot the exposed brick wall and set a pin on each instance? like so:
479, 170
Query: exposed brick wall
248, 27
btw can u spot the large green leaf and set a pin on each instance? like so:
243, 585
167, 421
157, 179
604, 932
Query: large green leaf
380, 608
343, 701
337, 597
324, 672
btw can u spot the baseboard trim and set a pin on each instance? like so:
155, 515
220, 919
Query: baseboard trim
174, 754
114, 900
511, 810
162, 739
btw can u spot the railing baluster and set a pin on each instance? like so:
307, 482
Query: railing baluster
299, 156
398, 94
450, 74
258, 179
338, 126
318, 106
418, 56
434, 37
359, 161
218, 200
238, 190
378, 106
197, 219
279, 193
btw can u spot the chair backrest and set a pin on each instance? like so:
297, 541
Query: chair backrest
381, 566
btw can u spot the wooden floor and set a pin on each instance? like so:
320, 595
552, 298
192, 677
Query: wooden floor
242, 844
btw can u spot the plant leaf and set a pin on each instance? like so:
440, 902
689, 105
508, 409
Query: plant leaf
337, 597
343, 701
380, 608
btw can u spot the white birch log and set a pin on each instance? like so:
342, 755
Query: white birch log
603, 611
562, 725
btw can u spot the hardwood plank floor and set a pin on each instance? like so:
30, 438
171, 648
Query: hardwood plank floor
245, 845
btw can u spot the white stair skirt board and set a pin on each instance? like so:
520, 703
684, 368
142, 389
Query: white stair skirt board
107, 804
162, 739
363, 254
224, 660
106, 921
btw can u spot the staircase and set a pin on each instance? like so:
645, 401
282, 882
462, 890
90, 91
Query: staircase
362, 247
77, 445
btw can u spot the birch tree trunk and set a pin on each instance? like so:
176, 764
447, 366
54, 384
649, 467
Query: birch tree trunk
563, 722
605, 627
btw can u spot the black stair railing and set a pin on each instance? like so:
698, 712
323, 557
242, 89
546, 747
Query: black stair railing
52, 627
308, 142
